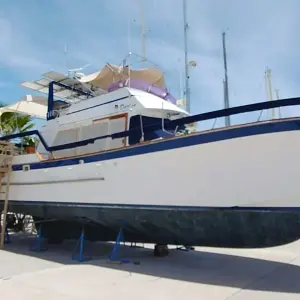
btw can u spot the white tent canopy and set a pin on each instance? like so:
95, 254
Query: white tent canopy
35, 106
111, 73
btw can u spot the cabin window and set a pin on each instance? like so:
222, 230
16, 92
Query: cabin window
149, 134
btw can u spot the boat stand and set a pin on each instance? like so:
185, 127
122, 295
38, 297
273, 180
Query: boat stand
7, 239
38, 241
115, 255
80, 245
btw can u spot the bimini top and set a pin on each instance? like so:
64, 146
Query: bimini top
35, 106
98, 83
112, 73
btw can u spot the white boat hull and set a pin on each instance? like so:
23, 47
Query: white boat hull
252, 171
191, 188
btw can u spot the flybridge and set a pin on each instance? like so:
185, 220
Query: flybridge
110, 78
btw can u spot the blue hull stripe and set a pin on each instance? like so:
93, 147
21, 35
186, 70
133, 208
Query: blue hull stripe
152, 207
185, 141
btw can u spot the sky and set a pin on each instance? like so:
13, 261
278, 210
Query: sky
259, 34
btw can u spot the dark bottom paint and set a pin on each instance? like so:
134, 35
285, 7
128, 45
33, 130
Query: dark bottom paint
216, 228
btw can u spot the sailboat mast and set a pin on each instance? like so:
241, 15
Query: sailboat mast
187, 87
143, 34
226, 92
269, 88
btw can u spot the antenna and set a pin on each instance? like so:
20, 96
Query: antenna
225, 81
187, 87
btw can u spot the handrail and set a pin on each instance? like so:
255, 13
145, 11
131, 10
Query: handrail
157, 126
50, 115
220, 113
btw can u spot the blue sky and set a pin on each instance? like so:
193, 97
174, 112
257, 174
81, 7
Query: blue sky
259, 34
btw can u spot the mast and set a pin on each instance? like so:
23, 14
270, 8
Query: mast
65, 57
187, 87
225, 81
143, 34
277, 97
269, 88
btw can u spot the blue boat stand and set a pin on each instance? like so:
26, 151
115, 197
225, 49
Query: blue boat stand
38, 241
80, 244
115, 255
7, 239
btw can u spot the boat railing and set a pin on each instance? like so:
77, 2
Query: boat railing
164, 124
50, 113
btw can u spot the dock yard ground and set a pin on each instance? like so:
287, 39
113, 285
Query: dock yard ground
205, 273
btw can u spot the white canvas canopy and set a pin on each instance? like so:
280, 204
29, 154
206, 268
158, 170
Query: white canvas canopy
35, 106
112, 73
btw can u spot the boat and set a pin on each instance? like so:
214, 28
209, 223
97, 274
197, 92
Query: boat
116, 151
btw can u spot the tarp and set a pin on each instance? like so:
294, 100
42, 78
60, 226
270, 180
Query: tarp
111, 73
35, 106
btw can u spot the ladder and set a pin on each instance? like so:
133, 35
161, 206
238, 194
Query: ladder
6, 155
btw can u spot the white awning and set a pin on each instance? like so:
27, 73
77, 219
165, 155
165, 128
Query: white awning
111, 73
35, 106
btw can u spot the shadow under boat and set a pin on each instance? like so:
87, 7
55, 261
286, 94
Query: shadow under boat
195, 266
